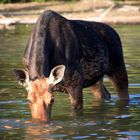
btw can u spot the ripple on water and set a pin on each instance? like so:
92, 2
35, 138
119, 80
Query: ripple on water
10, 124
80, 137
54, 136
123, 116
11, 102
132, 133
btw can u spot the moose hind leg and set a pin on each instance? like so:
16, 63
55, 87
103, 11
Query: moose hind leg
119, 80
100, 91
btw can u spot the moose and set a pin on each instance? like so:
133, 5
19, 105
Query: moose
69, 55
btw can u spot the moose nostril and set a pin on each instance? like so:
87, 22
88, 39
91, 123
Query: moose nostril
29, 101
52, 100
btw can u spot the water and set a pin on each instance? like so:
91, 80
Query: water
105, 120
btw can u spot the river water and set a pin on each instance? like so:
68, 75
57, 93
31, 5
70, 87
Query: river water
105, 120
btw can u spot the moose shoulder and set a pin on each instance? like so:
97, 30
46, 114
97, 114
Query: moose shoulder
70, 55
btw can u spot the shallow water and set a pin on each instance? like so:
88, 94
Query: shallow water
99, 120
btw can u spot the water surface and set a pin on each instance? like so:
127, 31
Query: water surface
110, 120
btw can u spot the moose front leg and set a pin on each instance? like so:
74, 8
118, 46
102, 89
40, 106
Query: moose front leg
76, 97
74, 88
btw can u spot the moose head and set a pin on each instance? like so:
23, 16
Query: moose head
39, 96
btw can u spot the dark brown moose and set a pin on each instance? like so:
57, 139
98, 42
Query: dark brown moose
69, 55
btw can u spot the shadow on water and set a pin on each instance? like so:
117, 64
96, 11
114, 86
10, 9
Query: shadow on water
112, 119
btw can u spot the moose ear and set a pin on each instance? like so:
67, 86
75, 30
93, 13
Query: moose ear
56, 75
22, 77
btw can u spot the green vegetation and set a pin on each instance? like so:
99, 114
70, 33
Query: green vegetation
5, 1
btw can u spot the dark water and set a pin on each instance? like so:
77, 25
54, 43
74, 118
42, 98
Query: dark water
105, 120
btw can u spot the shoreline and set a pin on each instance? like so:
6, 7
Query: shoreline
106, 11
5, 22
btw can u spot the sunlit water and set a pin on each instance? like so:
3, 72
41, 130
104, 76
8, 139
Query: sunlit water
99, 119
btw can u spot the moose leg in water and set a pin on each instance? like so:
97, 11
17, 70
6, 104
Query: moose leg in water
76, 97
75, 90
100, 91
119, 80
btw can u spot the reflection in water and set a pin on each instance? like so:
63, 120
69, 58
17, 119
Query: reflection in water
38, 131
112, 119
